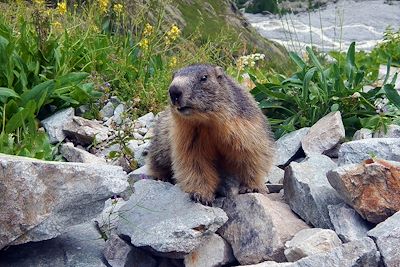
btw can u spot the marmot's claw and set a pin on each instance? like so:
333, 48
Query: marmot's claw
197, 197
247, 189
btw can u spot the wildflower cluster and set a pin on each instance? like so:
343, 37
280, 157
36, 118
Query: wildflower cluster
62, 7
38, 2
118, 8
103, 5
249, 60
144, 43
172, 34
148, 30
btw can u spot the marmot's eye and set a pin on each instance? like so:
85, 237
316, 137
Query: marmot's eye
204, 78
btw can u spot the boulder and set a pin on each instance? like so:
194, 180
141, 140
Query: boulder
39, 200
107, 220
107, 111
275, 175
140, 153
85, 132
393, 131
288, 145
74, 154
146, 120
371, 188
118, 253
387, 237
362, 134
79, 246
118, 114
214, 252
357, 151
54, 124
347, 223
359, 253
308, 191
324, 135
258, 227
309, 242
162, 217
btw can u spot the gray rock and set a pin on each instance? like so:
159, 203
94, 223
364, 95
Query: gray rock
149, 134
79, 246
39, 200
146, 120
309, 242
160, 216
107, 110
115, 101
118, 113
118, 253
85, 132
258, 227
143, 131
140, 153
324, 135
138, 136
393, 131
308, 191
357, 151
275, 175
108, 219
387, 237
359, 253
347, 223
288, 145
214, 252
54, 124
74, 154
362, 134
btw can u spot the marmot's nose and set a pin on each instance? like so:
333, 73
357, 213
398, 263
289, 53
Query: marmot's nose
175, 94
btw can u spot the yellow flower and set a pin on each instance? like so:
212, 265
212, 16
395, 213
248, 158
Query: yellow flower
148, 30
56, 25
62, 7
144, 44
118, 8
172, 34
173, 62
103, 5
39, 2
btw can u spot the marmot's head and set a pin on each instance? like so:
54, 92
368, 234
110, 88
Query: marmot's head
198, 90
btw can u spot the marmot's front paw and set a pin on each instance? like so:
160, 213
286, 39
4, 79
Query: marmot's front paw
243, 189
205, 200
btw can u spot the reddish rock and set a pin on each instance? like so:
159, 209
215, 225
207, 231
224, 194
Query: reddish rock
371, 188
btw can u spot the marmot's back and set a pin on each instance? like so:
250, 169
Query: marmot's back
212, 126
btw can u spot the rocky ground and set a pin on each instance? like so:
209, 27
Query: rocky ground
331, 202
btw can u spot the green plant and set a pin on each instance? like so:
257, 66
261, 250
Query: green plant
315, 90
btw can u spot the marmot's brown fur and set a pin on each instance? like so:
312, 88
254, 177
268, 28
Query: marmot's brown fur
212, 128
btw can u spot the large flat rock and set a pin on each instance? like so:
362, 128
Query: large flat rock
387, 238
258, 227
39, 200
160, 216
308, 191
79, 246
357, 151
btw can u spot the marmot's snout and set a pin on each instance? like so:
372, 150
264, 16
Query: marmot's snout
175, 94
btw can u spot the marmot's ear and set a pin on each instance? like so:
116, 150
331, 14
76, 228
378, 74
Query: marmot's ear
219, 71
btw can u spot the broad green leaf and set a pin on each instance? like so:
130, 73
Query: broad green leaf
72, 78
392, 94
307, 78
297, 60
7, 92
37, 92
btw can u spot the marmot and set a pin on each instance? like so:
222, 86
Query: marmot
213, 127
